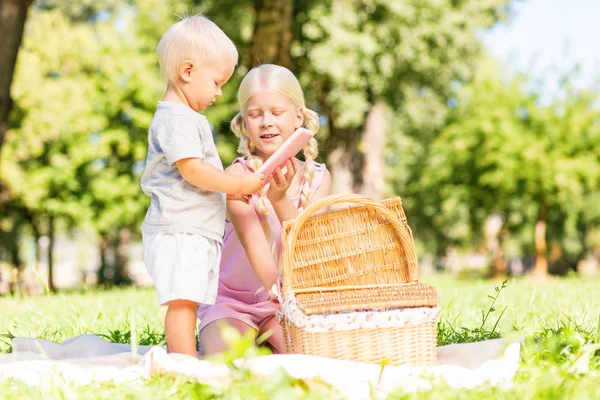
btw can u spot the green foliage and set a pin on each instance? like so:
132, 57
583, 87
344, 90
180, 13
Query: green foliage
406, 54
461, 143
80, 11
448, 334
504, 152
85, 90
147, 337
379, 49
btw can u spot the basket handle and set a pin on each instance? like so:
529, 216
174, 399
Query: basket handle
298, 223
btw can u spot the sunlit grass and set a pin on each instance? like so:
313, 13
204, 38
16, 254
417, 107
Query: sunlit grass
559, 321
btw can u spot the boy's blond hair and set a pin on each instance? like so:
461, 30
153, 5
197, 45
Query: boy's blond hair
194, 38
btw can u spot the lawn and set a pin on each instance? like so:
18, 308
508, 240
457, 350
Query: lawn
559, 320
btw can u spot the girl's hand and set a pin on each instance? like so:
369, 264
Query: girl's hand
273, 300
280, 182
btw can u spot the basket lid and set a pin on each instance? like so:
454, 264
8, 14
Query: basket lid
369, 243
404, 295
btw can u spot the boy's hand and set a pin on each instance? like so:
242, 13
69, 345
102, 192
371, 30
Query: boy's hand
251, 182
240, 197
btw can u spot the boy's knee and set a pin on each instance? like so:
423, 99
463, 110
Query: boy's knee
182, 304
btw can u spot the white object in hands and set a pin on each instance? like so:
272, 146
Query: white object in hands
288, 149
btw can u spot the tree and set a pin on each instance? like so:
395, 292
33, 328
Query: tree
272, 35
359, 60
76, 160
13, 14
567, 179
48, 145
360, 55
504, 153
474, 167
128, 97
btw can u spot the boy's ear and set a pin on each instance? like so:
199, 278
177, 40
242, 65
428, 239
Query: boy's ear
299, 117
185, 70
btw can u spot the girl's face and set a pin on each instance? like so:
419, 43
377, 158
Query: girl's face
270, 120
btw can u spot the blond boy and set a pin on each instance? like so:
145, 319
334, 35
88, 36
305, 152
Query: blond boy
184, 225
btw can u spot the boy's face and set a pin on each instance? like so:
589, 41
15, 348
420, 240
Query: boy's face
202, 84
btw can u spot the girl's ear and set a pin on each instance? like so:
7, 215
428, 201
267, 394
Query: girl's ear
185, 70
299, 117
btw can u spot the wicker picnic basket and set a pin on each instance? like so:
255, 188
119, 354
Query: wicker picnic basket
350, 286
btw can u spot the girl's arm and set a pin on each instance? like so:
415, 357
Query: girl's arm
252, 237
324, 188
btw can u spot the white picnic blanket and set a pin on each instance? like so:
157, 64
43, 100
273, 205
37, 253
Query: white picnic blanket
86, 358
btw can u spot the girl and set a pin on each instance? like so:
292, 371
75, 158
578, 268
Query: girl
272, 107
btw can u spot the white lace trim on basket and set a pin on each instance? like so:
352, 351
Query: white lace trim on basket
350, 320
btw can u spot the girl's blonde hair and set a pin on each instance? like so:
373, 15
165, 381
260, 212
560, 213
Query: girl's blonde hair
281, 81
194, 38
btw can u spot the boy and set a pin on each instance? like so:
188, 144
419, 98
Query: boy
184, 225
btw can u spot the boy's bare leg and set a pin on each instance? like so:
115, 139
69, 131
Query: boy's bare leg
180, 327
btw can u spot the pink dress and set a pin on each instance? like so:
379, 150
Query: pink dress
241, 295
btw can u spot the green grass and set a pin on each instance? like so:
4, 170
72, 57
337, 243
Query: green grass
559, 320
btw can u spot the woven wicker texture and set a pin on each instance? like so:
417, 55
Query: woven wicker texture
411, 294
356, 258
413, 345
366, 245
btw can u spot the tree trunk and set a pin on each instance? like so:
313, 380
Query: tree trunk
30, 218
373, 146
557, 263
344, 159
357, 169
337, 147
342, 181
51, 287
540, 268
15, 255
37, 253
36, 236
499, 263
104, 267
121, 275
272, 35
13, 14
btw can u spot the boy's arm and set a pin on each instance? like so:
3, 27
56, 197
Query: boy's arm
180, 139
207, 177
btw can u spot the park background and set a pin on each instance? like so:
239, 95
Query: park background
482, 115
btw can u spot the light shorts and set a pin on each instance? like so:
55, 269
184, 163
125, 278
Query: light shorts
183, 266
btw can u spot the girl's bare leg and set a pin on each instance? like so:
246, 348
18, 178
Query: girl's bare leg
276, 338
211, 337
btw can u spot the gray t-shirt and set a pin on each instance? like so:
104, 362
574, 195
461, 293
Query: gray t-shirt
178, 132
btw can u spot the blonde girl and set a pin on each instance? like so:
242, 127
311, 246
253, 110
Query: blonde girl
271, 107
